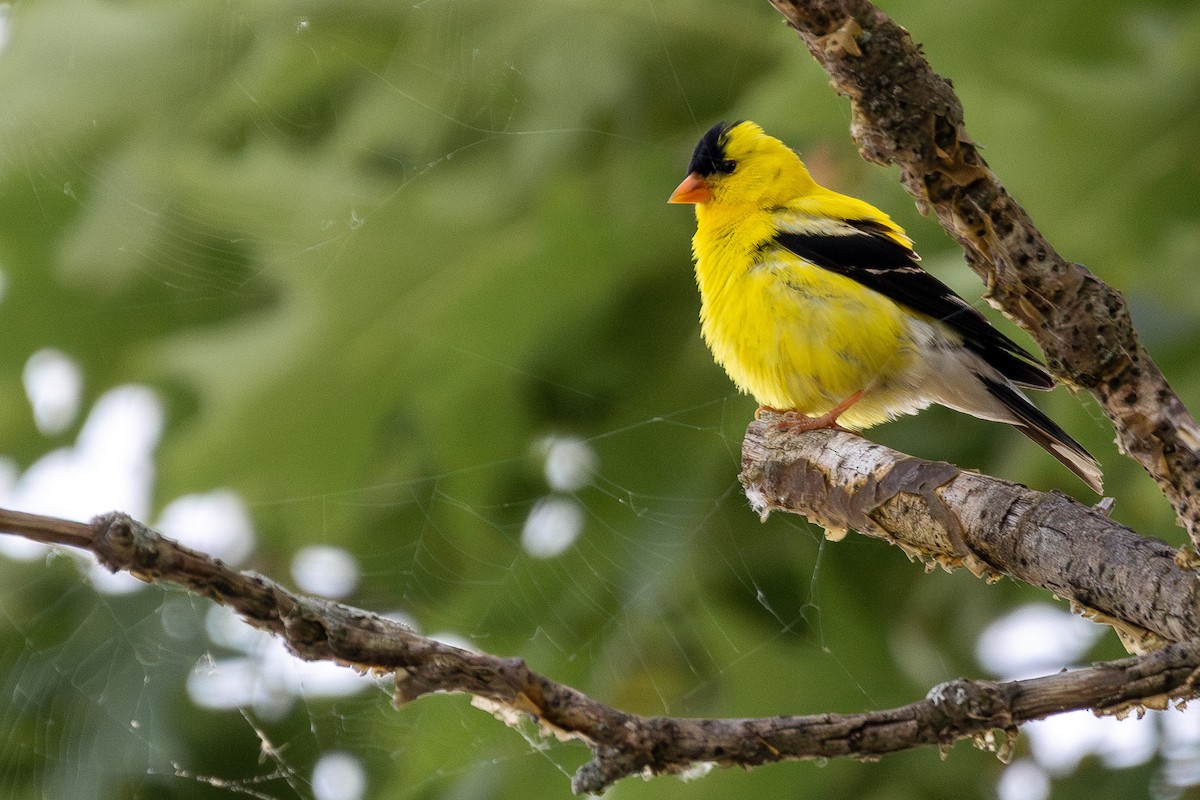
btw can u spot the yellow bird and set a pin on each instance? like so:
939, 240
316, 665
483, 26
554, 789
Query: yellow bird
814, 303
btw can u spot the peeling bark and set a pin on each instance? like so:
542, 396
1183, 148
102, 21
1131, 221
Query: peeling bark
943, 515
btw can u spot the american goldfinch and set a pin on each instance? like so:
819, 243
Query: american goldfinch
814, 303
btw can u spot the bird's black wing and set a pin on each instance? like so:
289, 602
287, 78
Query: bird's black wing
863, 252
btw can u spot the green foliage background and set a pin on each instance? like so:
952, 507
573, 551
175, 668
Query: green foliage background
370, 252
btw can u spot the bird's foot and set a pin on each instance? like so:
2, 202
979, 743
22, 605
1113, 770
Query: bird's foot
795, 421
758, 412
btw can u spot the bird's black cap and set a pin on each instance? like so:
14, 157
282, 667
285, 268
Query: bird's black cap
709, 156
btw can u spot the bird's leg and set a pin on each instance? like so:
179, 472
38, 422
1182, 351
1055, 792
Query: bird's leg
795, 421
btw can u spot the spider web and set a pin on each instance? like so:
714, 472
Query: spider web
370, 299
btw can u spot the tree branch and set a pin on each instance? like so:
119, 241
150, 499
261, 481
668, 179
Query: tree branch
904, 113
622, 744
941, 514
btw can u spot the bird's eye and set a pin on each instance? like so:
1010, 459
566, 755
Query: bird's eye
727, 166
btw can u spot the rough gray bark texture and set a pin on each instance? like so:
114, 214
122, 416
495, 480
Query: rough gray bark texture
906, 114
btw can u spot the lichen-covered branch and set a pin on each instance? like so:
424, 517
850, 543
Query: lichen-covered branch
904, 113
622, 744
942, 514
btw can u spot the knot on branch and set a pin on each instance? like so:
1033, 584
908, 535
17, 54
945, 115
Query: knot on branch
304, 622
649, 746
607, 766
123, 543
965, 703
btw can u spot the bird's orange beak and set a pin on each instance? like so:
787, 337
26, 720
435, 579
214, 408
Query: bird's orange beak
694, 189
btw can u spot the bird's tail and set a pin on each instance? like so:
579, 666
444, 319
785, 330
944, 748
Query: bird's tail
1046, 432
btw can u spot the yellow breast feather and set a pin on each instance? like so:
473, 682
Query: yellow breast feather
794, 335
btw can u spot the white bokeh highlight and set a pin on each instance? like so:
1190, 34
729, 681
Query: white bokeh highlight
5, 23
1034, 640
569, 462
261, 673
325, 570
1023, 780
216, 523
107, 582
54, 385
110, 466
1041, 639
1180, 749
553, 525
1060, 743
339, 776
226, 629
